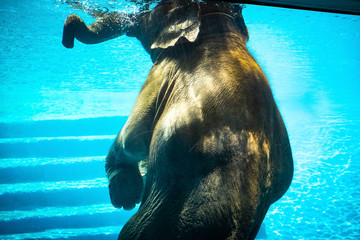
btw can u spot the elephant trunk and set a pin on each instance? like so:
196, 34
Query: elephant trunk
111, 26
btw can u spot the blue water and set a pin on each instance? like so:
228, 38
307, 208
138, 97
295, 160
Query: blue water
60, 110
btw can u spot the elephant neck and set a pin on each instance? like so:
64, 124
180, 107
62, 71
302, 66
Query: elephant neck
217, 14
219, 23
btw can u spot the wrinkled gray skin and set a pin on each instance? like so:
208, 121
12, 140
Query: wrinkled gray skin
205, 121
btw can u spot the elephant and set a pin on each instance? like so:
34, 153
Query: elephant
205, 149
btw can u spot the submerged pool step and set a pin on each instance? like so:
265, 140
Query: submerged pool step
33, 162
42, 219
59, 138
27, 196
28, 183
18, 170
103, 233
58, 128
47, 147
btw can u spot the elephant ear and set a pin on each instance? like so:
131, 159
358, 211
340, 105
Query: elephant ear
184, 26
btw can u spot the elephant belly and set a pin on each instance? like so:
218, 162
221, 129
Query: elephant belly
214, 185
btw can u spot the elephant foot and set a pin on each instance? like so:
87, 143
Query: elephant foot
125, 187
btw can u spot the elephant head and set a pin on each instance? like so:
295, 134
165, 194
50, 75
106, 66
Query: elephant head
167, 24
170, 23
205, 123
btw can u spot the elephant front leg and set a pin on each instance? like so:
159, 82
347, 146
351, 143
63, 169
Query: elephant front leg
125, 180
130, 148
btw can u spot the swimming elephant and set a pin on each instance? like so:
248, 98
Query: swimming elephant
205, 123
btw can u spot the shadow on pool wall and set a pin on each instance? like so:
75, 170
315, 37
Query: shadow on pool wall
311, 60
